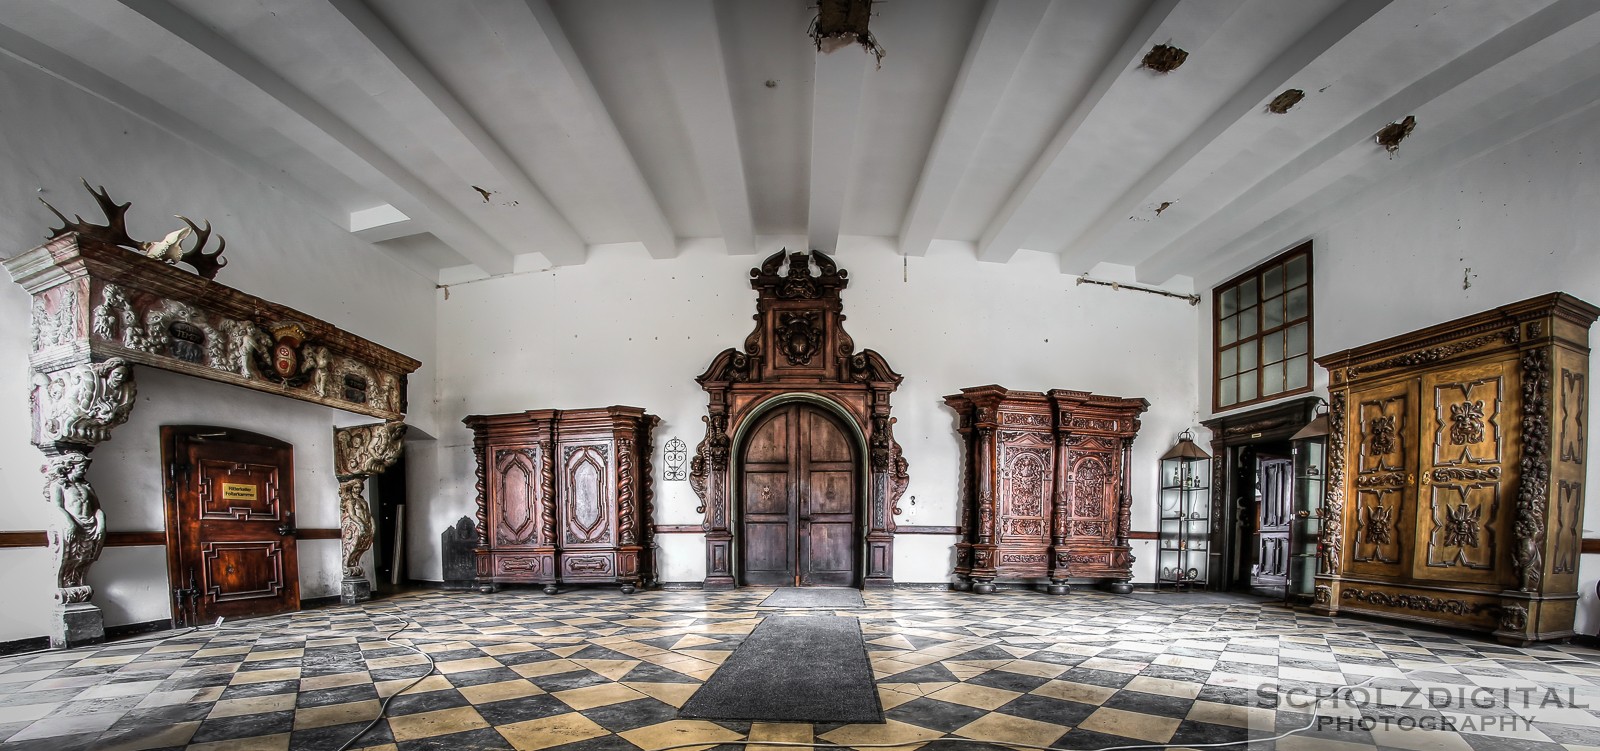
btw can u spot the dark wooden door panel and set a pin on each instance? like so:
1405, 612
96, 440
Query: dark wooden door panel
799, 496
1274, 513
230, 523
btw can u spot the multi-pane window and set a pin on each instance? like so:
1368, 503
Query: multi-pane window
1263, 331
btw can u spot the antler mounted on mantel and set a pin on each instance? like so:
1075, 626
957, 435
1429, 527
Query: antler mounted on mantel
169, 249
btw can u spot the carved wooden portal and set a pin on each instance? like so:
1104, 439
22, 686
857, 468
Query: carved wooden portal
799, 346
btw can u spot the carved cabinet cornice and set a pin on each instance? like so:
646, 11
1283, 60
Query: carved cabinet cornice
564, 496
1455, 472
1045, 483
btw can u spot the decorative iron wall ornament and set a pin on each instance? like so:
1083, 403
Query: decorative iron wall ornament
676, 457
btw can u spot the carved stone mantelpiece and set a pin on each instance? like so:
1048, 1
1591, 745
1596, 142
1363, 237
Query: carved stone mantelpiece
799, 346
95, 301
1453, 482
103, 302
360, 453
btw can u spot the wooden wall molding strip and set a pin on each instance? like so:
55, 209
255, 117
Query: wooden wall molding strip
31, 538
679, 529
1143, 535
1591, 546
914, 529
35, 538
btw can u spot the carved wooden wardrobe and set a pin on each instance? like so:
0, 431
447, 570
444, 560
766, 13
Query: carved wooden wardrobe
564, 497
1045, 486
1456, 470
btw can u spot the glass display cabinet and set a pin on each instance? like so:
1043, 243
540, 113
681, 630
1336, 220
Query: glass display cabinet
1185, 515
1310, 470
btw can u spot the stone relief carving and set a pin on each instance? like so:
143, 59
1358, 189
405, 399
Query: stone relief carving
359, 453
160, 323
115, 319
81, 404
77, 531
176, 329
49, 329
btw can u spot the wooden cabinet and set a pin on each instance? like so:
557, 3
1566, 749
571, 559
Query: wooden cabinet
1045, 486
564, 497
1455, 471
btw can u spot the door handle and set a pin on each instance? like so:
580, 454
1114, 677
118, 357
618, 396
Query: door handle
287, 527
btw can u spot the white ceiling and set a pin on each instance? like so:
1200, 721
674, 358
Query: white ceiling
474, 131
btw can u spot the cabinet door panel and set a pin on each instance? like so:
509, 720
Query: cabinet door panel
587, 485
1469, 457
1025, 483
515, 495
1383, 441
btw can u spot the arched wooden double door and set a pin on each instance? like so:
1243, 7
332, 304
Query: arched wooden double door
799, 502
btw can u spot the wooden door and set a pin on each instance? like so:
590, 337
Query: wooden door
799, 502
230, 523
1274, 512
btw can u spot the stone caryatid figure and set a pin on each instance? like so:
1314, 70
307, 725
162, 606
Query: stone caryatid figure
77, 529
359, 453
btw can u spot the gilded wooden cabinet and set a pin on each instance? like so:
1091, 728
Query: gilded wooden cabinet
1045, 486
563, 497
1456, 464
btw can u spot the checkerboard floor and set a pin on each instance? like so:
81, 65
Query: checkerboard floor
594, 669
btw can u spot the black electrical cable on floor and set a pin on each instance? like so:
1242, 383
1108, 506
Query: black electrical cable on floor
383, 709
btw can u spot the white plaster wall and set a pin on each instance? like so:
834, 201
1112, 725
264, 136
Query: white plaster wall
1521, 217
277, 248
623, 329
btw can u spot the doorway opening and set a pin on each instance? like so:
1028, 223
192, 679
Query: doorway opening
799, 499
231, 547
388, 494
1262, 531
1261, 493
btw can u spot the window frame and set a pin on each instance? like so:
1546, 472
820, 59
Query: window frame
1257, 274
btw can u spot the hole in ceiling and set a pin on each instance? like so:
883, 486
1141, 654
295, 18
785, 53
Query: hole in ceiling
1283, 102
1393, 133
1164, 58
841, 23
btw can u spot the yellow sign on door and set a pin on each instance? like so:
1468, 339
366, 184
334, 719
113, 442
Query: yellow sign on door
234, 491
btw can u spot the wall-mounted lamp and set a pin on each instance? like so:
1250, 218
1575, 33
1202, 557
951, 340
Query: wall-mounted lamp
1318, 427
